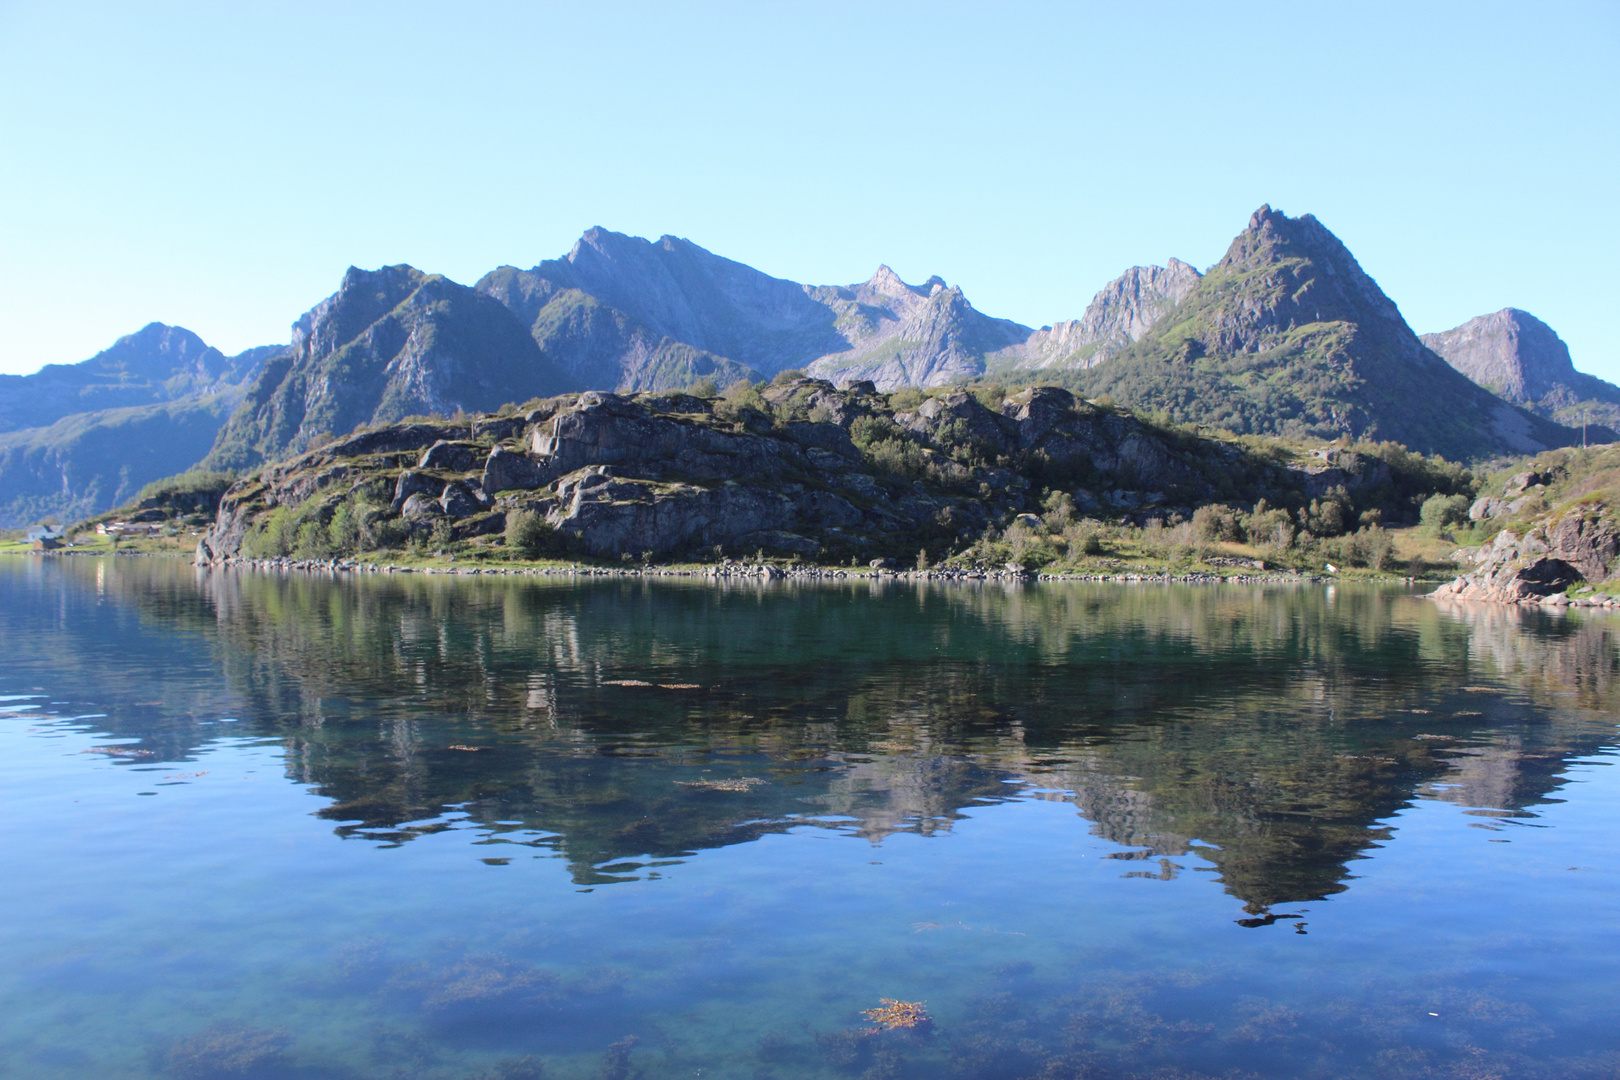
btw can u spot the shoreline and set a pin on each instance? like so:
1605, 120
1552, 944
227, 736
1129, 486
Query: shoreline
739, 571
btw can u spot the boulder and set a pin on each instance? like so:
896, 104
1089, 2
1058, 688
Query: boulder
1544, 562
415, 483
498, 428
453, 457
459, 502
1486, 507
508, 470
1589, 544
418, 508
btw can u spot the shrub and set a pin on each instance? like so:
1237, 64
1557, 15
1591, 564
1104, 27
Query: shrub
785, 377
906, 398
703, 388
1441, 510
528, 531
741, 398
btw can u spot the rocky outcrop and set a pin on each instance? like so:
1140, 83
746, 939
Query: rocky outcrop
824, 472
1543, 563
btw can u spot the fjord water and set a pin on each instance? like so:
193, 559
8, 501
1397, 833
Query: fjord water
298, 826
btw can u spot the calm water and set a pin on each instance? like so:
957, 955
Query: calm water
275, 826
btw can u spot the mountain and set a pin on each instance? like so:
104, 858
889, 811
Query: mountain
1287, 335
629, 314
156, 363
79, 439
1518, 357
1124, 310
388, 344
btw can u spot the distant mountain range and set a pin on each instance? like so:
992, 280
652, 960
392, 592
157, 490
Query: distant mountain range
77, 439
1286, 335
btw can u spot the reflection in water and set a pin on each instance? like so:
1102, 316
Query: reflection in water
1266, 738
1274, 732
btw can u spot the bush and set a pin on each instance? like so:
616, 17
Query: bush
785, 377
741, 398
1440, 511
906, 399
703, 388
528, 532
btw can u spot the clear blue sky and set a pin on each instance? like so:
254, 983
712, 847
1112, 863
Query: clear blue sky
218, 165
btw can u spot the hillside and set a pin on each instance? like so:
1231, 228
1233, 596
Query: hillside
1520, 359
78, 439
804, 471
388, 344
1287, 335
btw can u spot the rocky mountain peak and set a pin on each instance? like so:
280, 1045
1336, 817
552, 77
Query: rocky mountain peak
885, 282
1509, 351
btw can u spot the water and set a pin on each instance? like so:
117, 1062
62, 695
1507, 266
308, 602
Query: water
264, 826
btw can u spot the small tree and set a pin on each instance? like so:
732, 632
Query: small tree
922, 559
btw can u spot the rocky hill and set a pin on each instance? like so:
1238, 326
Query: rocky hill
388, 344
802, 470
1287, 335
1519, 358
79, 439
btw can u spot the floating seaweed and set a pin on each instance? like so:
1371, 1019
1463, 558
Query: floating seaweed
892, 1015
740, 783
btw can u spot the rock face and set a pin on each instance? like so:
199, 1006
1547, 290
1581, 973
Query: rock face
1520, 358
1288, 335
1544, 562
387, 344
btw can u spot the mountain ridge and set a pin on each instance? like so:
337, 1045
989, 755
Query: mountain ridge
1288, 335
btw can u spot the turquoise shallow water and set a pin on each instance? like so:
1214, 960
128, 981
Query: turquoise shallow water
299, 827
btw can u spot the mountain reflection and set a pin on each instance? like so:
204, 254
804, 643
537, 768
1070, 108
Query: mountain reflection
626, 724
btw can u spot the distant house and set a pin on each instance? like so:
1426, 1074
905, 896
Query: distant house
126, 528
47, 543
40, 533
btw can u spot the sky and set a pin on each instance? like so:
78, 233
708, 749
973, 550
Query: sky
218, 166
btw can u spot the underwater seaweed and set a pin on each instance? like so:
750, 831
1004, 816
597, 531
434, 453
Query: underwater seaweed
229, 1050
616, 1061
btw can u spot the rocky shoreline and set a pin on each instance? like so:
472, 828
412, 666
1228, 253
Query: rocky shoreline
764, 572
